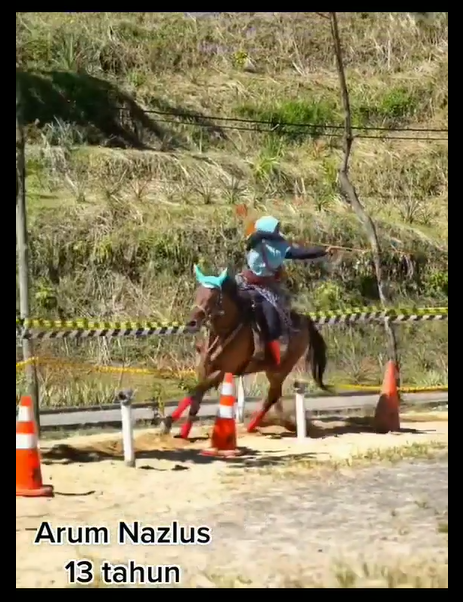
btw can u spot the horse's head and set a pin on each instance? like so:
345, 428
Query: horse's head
208, 302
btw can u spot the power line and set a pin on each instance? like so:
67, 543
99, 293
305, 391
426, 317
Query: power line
275, 123
316, 133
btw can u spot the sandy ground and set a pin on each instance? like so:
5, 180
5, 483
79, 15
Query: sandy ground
272, 512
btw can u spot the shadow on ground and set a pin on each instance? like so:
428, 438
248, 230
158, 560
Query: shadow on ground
102, 114
326, 427
152, 446
247, 458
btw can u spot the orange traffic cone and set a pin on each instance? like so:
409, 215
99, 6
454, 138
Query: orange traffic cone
28, 470
223, 439
387, 417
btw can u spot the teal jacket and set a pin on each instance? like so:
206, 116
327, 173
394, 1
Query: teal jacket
267, 249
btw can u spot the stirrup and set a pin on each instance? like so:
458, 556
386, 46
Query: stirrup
260, 350
260, 353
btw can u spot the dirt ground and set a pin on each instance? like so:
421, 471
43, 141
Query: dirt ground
282, 514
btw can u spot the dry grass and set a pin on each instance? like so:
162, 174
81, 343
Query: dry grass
407, 575
122, 203
417, 575
75, 466
424, 416
295, 467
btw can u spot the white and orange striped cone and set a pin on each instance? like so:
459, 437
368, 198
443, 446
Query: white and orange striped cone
28, 470
223, 439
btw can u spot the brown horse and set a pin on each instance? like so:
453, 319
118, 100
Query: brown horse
221, 306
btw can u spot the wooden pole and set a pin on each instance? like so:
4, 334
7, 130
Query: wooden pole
350, 197
23, 257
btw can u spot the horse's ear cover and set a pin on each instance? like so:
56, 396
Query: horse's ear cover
210, 281
223, 275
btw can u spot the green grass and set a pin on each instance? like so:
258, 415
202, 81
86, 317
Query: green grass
122, 202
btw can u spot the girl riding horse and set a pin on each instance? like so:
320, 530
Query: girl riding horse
267, 249
231, 345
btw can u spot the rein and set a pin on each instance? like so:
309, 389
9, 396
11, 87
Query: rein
209, 316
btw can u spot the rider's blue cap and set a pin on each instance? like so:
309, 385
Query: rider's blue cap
268, 223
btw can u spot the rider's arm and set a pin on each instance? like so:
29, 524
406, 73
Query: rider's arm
305, 252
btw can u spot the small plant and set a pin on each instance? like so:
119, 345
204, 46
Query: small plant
443, 527
293, 120
345, 577
234, 189
240, 57
436, 282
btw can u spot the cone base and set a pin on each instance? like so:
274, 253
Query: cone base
387, 416
44, 491
381, 429
220, 453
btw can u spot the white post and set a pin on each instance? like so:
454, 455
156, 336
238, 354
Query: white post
240, 400
301, 423
125, 398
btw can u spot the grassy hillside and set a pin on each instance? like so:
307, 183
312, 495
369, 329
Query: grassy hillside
132, 176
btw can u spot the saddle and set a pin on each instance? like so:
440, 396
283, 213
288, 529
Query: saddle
254, 289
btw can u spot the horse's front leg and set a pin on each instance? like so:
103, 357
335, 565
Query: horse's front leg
193, 401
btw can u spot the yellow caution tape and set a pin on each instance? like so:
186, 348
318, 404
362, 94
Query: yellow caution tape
95, 324
23, 364
168, 373
82, 366
377, 388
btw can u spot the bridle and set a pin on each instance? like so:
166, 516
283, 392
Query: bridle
209, 314
212, 312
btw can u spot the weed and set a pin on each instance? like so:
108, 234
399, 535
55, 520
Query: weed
443, 527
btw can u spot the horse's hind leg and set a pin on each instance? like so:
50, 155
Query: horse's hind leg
274, 394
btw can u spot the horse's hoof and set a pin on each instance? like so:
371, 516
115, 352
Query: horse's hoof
166, 426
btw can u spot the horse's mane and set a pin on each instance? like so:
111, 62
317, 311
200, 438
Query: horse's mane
242, 301
231, 289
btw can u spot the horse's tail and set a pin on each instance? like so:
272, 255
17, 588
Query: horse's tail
316, 355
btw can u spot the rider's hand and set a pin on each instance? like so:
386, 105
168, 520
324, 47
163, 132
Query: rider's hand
331, 251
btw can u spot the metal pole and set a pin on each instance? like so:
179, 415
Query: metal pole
125, 399
240, 401
23, 257
301, 424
